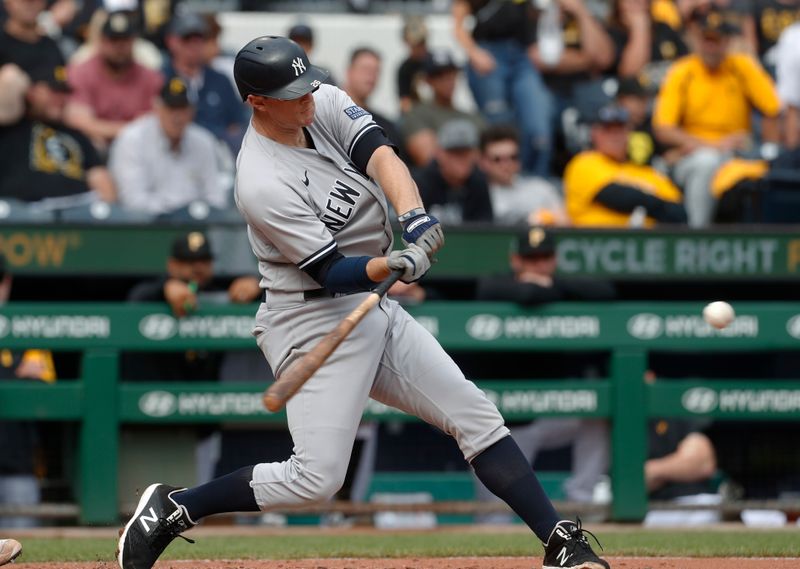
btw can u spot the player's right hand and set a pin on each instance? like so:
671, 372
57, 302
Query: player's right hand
424, 230
413, 261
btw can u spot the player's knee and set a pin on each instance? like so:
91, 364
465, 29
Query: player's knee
324, 481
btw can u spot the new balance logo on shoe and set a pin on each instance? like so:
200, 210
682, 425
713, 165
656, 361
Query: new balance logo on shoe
158, 520
152, 518
563, 556
568, 548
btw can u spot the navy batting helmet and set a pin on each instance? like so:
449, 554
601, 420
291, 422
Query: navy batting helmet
275, 67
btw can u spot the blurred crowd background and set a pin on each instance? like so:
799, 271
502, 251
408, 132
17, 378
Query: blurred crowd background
571, 112
524, 115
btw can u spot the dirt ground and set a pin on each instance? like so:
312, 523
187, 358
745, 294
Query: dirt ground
444, 563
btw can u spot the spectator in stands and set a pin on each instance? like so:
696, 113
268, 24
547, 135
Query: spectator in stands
42, 158
162, 162
420, 125
787, 64
707, 134
111, 89
602, 187
644, 46
10, 549
19, 440
452, 186
362, 77
570, 72
533, 282
516, 199
218, 107
411, 72
507, 87
144, 51
22, 42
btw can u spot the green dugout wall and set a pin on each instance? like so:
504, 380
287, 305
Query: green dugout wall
627, 331
751, 253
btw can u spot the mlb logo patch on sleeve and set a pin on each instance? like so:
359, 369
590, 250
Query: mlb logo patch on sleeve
354, 112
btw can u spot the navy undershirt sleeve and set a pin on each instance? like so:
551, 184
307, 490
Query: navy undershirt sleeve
368, 144
338, 273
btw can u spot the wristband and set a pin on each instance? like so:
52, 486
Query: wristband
411, 213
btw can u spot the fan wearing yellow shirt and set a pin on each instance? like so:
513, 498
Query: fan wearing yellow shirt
705, 106
602, 187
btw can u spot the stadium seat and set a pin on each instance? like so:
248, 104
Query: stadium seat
201, 211
102, 212
16, 211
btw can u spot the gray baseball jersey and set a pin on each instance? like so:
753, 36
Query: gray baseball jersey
300, 205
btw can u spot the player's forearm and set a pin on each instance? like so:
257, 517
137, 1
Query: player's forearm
394, 179
378, 269
694, 460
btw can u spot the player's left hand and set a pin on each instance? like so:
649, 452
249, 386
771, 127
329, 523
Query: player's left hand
424, 230
414, 263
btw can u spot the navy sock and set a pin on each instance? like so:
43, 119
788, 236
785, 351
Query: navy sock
505, 471
229, 493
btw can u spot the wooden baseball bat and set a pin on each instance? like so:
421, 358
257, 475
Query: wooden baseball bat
301, 371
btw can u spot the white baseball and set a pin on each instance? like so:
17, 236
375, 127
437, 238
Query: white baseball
719, 314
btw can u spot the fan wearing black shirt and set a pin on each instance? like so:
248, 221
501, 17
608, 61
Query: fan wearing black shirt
41, 157
21, 41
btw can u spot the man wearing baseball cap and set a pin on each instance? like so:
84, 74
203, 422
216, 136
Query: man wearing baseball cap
451, 185
420, 125
217, 107
602, 187
42, 157
707, 134
162, 162
110, 89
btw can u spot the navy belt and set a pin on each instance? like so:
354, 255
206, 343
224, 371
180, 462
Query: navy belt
317, 293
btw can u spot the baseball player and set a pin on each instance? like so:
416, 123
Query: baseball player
313, 177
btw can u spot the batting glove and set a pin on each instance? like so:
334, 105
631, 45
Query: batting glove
414, 263
422, 229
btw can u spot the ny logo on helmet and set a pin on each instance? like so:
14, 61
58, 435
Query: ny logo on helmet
298, 66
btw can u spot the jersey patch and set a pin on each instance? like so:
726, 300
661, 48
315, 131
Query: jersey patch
355, 112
